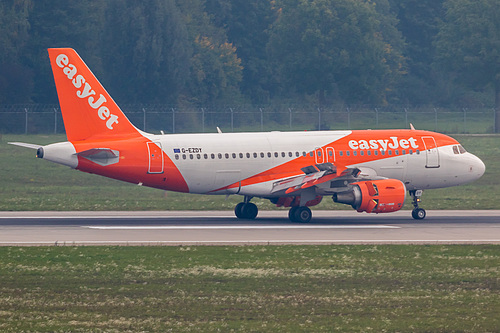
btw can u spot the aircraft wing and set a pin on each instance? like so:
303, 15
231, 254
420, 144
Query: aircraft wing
314, 175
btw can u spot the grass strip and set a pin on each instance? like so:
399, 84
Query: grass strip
396, 288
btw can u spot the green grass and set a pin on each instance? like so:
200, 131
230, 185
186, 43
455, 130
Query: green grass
390, 288
28, 183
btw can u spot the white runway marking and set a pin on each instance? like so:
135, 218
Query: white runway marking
239, 227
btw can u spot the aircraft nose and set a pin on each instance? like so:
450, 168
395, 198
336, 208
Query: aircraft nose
478, 167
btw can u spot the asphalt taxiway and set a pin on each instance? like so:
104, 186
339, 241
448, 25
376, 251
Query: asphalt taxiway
222, 228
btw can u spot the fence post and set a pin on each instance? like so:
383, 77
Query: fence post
144, 118
173, 120
406, 118
348, 118
232, 119
376, 118
261, 120
26, 121
290, 117
465, 119
319, 119
435, 120
55, 121
202, 120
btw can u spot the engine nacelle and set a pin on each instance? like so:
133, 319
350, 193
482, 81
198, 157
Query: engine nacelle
374, 196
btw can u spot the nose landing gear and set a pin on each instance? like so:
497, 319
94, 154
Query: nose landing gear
417, 213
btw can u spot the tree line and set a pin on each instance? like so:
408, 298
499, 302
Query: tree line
208, 52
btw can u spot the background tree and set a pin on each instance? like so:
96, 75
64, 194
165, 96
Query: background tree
332, 48
16, 78
145, 51
215, 69
418, 22
468, 45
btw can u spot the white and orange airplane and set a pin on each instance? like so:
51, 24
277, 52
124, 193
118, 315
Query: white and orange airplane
371, 170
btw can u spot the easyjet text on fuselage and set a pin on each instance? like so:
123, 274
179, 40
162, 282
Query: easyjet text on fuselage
384, 144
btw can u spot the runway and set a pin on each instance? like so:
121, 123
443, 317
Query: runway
222, 228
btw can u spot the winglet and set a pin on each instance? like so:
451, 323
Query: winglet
88, 110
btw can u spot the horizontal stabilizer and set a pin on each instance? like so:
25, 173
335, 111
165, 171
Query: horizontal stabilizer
27, 145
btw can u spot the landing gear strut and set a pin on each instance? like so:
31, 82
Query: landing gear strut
417, 213
246, 209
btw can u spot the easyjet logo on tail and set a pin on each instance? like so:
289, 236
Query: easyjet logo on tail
392, 143
62, 61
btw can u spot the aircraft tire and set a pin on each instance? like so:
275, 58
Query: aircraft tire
291, 214
250, 211
418, 213
302, 214
238, 210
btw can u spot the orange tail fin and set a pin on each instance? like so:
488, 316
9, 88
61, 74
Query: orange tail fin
88, 110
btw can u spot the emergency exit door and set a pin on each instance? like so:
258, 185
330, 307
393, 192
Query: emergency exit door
155, 157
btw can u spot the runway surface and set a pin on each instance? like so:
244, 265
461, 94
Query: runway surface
222, 228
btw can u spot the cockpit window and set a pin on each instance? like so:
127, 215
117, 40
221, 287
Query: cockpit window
458, 149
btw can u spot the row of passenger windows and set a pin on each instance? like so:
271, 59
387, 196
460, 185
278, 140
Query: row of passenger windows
376, 152
283, 154
221, 156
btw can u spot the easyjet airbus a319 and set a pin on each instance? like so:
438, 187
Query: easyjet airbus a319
371, 170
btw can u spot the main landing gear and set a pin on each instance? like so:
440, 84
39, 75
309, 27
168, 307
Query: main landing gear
417, 213
300, 214
246, 209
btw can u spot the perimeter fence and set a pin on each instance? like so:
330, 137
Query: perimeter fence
45, 119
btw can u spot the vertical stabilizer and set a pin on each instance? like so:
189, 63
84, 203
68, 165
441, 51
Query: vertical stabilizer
88, 110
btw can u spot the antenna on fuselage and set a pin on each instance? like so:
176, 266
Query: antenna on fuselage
411, 127
218, 130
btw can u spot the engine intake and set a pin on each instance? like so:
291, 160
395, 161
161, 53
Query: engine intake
374, 196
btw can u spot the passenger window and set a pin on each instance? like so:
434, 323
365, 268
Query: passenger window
369, 152
418, 152
176, 156
362, 153
241, 155
254, 155
354, 153
382, 152
234, 155
276, 154
304, 153
205, 156
375, 152
248, 155
262, 155
198, 156
390, 152
396, 152
212, 156
269, 154
219, 155
347, 153
227, 156
283, 154
290, 154
341, 153
330, 153
183, 156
